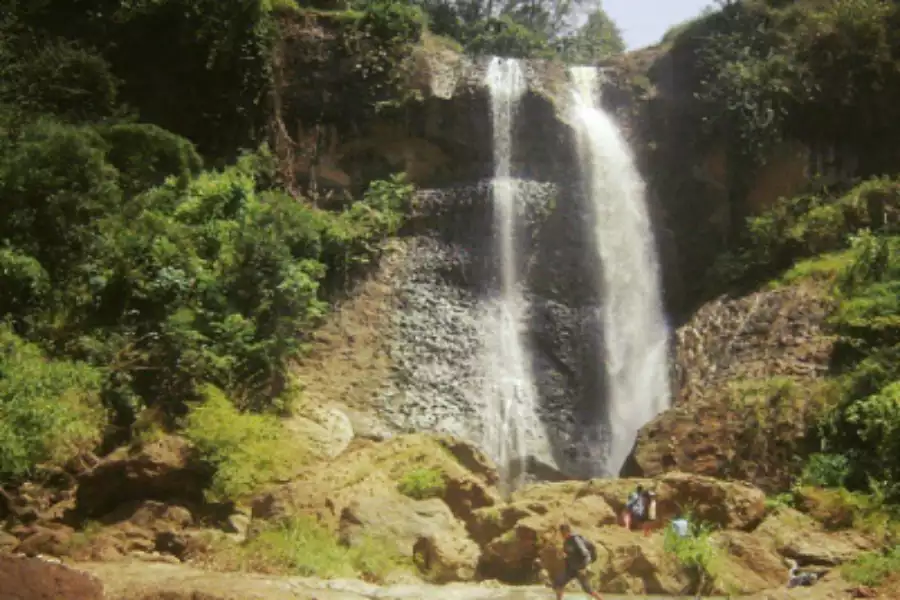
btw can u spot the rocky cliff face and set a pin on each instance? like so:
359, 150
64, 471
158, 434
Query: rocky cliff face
438, 345
435, 338
750, 375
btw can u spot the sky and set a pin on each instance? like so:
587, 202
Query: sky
643, 22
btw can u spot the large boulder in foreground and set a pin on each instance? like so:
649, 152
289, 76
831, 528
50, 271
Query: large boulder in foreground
36, 579
163, 470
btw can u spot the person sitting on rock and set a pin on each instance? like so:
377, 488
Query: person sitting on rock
796, 578
635, 508
579, 554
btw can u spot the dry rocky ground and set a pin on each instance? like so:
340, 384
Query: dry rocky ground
138, 524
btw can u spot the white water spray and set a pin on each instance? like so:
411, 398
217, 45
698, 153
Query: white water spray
635, 334
511, 422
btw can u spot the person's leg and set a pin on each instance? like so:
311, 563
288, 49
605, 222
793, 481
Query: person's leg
586, 585
560, 583
626, 519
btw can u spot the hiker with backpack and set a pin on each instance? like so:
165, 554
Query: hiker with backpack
579, 554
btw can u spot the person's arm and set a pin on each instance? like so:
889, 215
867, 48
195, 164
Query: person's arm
632, 500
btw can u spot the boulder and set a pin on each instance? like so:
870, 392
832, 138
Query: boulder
444, 557
491, 522
36, 579
54, 541
372, 469
161, 470
471, 458
798, 537
746, 563
138, 527
395, 517
325, 431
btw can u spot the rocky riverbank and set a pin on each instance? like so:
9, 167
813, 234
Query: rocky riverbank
404, 512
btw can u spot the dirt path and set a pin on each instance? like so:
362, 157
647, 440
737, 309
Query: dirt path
160, 581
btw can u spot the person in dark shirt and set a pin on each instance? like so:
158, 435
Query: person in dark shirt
578, 557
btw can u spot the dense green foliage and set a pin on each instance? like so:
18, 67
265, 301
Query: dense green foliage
142, 276
49, 410
574, 30
850, 244
757, 72
873, 568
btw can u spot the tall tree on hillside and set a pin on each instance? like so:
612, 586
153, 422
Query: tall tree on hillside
598, 38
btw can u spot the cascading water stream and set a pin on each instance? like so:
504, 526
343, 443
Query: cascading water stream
511, 420
635, 333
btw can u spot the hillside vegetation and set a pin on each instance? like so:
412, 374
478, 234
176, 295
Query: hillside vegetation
159, 266
147, 248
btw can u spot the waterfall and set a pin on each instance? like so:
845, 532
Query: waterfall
510, 422
635, 333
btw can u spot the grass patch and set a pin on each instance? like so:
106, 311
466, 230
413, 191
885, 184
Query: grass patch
422, 483
873, 568
302, 546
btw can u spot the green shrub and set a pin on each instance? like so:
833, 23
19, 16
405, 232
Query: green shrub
695, 553
49, 410
422, 483
301, 546
872, 568
826, 470
244, 451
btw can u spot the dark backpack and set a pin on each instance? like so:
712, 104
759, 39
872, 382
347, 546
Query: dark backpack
591, 548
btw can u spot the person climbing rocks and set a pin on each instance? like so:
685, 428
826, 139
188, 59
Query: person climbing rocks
579, 554
635, 508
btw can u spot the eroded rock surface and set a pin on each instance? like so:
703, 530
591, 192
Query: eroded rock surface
36, 579
750, 377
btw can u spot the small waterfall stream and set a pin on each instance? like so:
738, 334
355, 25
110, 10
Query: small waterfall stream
635, 333
511, 421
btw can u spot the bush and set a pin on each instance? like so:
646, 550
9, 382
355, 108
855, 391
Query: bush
49, 410
422, 483
244, 451
872, 568
839, 508
145, 155
806, 226
826, 470
695, 553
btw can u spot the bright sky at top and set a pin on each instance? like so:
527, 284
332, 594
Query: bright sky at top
643, 22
